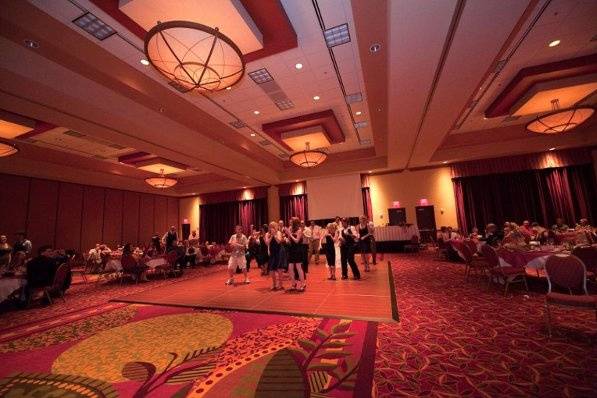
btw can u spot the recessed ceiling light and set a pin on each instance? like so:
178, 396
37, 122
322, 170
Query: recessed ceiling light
554, 43
31, 43
144, 62
552, 149
253, 134
316, 97
445, 162
256, 112
299, 66
375, 47
229, 88
244, 187
358, 113
296, 180
370, 172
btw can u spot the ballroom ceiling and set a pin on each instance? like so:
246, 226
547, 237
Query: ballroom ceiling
420, 100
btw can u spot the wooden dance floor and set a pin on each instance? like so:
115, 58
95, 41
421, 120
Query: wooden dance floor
372, 298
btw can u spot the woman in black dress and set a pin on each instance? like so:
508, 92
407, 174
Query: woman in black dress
331, 238
273, 239
364, 240
295, 254
262, 250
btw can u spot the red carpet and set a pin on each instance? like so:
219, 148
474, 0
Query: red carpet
460, 339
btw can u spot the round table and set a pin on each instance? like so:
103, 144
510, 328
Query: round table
8, 285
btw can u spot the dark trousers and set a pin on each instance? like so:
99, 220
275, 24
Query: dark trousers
347, 258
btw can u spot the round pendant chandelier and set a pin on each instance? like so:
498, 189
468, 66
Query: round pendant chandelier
194, 56
309, 157
161, 182
560, 120
7, 149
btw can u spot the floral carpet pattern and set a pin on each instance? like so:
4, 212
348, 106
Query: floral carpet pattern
458, 338
155, 351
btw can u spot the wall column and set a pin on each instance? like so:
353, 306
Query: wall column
273, 203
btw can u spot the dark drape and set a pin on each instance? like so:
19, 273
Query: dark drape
293, 206
536, 195
367, 209
217, 220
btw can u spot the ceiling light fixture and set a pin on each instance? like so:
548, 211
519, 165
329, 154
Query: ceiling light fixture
7, 149
554, 43
194, 55
229, 88
144, 62
375, 47
253, 134
298, 66
358, 113
552, 149
560, 120
256, 112
31, 43
316, 97
161, 182
309, 157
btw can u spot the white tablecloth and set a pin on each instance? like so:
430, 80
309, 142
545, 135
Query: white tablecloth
155, 262
9, 285
395, 232
116, 266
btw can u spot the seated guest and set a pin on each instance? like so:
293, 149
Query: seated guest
514, 239
585, 233
539, 233
560, 226
99, 256
132, 265
492, 237
454, 233
155, 247
443, 235
22, 245
190, 258
193, 239
42, 269
526, 229
5, 251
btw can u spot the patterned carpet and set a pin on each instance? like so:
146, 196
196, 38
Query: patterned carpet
454, 339
461, 339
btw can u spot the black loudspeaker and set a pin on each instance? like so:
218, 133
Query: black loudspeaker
186, 231
397, 215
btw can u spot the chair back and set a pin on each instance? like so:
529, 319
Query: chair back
466, 253
490, 255
60, 277
171, 258
128, 263
471, 245
588, 255
567, 272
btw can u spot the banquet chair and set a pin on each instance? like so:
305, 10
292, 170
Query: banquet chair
57, 285
567, 272
130, 268
471, 262
170, 266
588, 255
508, 274
78, 265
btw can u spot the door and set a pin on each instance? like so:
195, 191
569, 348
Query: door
426, 222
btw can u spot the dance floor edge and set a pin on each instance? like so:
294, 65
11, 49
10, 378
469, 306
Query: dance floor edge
372, 298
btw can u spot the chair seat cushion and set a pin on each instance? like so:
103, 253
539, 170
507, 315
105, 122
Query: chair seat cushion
572, 300
508, 271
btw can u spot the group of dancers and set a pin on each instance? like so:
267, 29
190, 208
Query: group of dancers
278, 249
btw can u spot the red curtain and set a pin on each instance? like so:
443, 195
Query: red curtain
293, 206
367, 209
536, 195
217, 220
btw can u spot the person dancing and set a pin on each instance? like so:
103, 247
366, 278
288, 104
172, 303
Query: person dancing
238, 244
331, 238
295, 254
364, 241
262, 252
347, 247
273, 239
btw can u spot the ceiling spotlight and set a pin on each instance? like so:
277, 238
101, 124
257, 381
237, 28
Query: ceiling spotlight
375, 47
316, 98
358, 113
554, 43
445, 162
256, 112
144, 62
370, 172
552, 149
299, 66
253, 134
31, 43
229, 88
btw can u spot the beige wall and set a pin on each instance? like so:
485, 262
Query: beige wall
189, 208
409, 187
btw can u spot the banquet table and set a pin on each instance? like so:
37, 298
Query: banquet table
8, 285
534, 259
395, 233
116, 266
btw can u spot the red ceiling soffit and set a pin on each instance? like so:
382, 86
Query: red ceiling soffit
326, 119
527, 77
268, 15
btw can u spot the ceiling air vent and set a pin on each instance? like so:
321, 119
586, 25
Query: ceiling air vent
94, 26
354, 97
74, 134
238, 124
261, 76
365, 142
360, 125
265, 143
510, 118
499, 66
284, 104
337, 35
